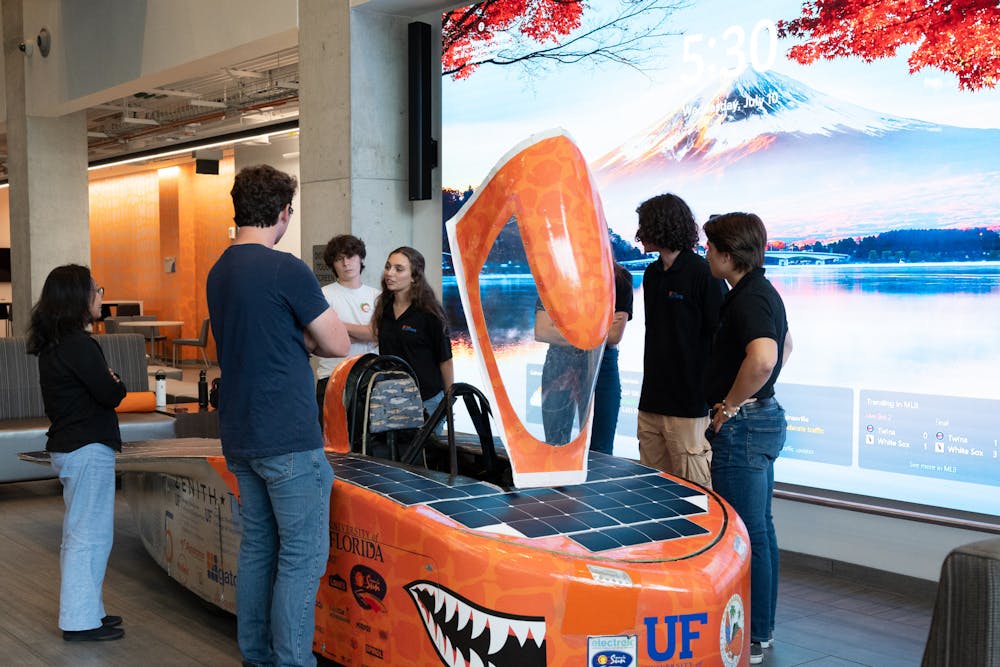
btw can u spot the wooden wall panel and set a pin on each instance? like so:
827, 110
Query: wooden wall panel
125, 238
139, 219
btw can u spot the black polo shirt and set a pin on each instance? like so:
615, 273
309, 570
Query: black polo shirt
682, 311
420, 338
752, 310
623, 292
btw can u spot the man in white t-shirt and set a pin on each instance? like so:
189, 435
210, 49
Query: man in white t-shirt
351, 300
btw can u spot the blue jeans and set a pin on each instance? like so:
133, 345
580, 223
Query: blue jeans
430, 405
285, 513
743, 454
607, 402
88, 480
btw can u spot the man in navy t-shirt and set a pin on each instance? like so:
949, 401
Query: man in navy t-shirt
268, 314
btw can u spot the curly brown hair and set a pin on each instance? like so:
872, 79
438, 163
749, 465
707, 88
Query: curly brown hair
344, 245
259, 193
666, 221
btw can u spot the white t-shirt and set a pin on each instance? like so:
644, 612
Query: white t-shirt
353, 306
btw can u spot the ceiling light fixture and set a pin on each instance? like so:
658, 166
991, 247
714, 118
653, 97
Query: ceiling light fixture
173, 93
132, 120
179, 151
211, 104
244, 73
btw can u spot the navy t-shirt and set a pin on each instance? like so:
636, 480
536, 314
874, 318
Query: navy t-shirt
260, 300
420, 338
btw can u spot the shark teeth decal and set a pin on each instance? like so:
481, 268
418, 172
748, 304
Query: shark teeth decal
465, 634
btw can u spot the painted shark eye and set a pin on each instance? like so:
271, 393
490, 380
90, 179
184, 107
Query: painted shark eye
539, 197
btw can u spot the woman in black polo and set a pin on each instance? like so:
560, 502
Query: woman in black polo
409, 322
747, 431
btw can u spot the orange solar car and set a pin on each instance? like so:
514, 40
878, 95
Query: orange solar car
586, 559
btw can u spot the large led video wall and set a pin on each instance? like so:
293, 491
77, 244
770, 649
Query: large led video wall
880, 188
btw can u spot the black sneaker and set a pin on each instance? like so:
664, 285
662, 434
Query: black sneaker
111, 621
102, 634
756, 653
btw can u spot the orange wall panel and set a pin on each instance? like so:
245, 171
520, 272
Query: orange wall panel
125, 238
138, 219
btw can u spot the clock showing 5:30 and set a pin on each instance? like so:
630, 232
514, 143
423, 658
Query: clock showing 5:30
708, 56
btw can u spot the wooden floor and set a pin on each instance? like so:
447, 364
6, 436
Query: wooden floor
826, 617
165, 625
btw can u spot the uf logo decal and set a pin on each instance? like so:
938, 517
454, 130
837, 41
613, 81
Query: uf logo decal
681, 625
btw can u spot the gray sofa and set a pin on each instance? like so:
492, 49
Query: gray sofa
23, 423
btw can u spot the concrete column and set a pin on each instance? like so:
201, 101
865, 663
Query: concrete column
47, 172
353, 144
324, 121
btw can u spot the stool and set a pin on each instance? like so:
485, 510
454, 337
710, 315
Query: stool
965, 629
5, 315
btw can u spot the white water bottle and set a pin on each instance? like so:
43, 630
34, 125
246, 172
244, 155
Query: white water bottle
161, 389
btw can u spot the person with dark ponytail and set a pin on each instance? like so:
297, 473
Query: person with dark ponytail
80, 394
409, 322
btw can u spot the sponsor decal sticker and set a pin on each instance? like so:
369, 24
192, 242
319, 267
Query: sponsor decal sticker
612, 650
336, 581
731, 631
368, 587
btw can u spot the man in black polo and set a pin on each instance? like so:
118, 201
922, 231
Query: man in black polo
682, 302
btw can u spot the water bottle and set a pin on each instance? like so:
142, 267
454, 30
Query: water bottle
161, 389
202, 391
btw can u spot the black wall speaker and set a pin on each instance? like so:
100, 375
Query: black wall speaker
423, 148
206, 166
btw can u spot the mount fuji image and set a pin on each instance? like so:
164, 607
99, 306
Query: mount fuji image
811, 165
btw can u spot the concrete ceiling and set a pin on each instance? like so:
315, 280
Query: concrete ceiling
244, 95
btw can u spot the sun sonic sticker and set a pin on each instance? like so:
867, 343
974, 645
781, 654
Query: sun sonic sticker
368, 587
612, 650
731, 631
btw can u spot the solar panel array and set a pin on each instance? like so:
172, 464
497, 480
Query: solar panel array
621, 504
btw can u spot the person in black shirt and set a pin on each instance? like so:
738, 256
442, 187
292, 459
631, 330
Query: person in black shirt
409, 322
567, 373
749, 350
682, 302
80, 394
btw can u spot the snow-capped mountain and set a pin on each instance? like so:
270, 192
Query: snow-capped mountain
742, 116
812, 165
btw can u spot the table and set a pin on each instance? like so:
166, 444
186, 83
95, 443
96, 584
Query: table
192, 421
138, 324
